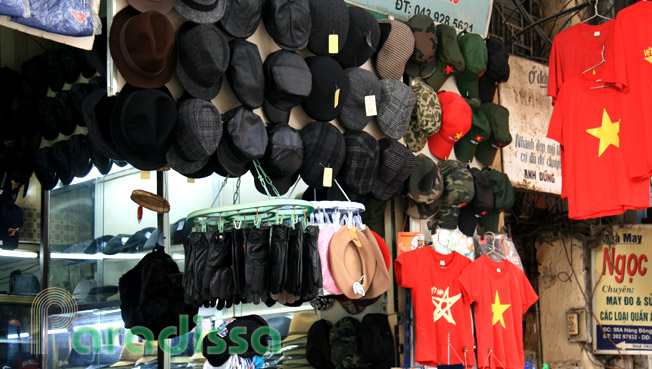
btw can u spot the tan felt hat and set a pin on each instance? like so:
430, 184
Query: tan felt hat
148, 357
150, 201
127, 357
381, 282
300, 324
352, 261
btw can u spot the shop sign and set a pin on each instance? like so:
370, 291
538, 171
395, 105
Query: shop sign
532, 161
470, 15
622, 302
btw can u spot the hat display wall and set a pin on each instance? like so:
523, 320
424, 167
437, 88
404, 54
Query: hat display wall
203, 59
329, 17
142, 123
241, 17
288, 22
288, 82
143, 47
395, 48
362, 40
201, 11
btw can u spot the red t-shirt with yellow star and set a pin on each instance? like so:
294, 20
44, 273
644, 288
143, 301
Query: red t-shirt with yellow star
588, 123
439, 306
629, 66
502, 294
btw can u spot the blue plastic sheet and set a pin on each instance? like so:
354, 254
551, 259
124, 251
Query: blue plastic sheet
14, 8
64, 17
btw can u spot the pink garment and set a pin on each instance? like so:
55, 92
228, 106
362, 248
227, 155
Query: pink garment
326, 233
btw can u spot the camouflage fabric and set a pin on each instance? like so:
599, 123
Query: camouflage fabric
426, 117
425, 184
449, 58
447, 217
419, 210
458, 184
344, 346
422, 61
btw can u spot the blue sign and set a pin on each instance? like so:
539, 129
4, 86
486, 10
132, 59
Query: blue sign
470, 15
625, 337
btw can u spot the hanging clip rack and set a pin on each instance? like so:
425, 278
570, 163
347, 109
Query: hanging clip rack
275, 209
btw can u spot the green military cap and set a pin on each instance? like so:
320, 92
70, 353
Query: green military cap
503, 199
422, 61
476, 56
458, 191
449, 59
498, 117
424, 189
480, 131
425, 119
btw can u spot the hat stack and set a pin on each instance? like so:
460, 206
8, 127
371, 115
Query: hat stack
330, 89
245, 73
244, 139
288, 82
241, 17
288, 22
249, 324
395, 107
201, 11
424, 189
458, 191
361, 164
293, 347
323, 147
425, 119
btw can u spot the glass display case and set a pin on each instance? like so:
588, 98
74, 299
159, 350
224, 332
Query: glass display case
15, 331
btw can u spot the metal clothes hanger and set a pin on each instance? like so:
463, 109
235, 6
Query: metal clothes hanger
595, 13
492, 247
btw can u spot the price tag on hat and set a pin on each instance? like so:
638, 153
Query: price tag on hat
370, 105
144, 174
328, 177
333, 41
336, 100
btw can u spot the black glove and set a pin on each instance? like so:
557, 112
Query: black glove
294, 263
209, 269
279, 248
257, 264
188, 273
238, 255
312, 281
196, 253
220, 280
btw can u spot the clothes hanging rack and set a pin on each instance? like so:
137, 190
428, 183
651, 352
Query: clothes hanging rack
275, 210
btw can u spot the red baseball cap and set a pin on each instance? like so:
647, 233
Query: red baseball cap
456, 118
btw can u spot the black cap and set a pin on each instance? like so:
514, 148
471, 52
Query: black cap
12, 81
361, 164
11, 220
396, 163
68, 64
35, 75
288, 82
44, 168
63, 113
482, 203
78, 93
283, 158
99, 160
97, 109
318, 347
328, 17
86, 68
80, 155
497, 69
241, 17
245, 73
251, 323
288, 22
323, 147
362, 41
61, 162
330, 89
376, 342
47, 118
53, 70
243, 140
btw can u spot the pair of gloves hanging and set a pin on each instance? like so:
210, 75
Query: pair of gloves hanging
254, 264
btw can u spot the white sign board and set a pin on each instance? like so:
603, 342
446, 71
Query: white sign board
532, 161
472, 15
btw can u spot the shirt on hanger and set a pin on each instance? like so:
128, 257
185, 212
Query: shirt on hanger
502, 294
439, 306
588, 123
574, 50
629, 66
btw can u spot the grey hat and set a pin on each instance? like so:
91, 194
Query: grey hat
245, 73
197, 135
288, 82
201, 11
395, 107
203, 59
363, 83
241, 17
328, 17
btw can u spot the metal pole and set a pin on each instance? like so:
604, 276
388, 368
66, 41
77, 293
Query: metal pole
44, 261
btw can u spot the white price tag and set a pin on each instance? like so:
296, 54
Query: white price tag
370, 105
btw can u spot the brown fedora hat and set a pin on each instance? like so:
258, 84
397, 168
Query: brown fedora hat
351, 257
161, 6
143, 47
382, 280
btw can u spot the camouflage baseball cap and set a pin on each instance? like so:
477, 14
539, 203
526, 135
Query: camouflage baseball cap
480, 131
425, 187
475, 55
449, 59
503, 199
426, 117
422, 61
458, 191
498, 117
344, 346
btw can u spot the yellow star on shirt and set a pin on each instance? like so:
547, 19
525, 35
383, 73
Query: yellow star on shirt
498, 309
607, 133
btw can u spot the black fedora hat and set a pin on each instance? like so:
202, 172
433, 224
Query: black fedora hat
142, 123
97, 111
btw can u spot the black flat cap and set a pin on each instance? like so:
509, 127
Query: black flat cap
288, 22
361, 164
288, 82
241, 17
80, 155
44, 168
243, 140
47, 118
328, 17
323, 147
61, 162
245, 73
63, 113
330, 89
283, 158
362, 41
